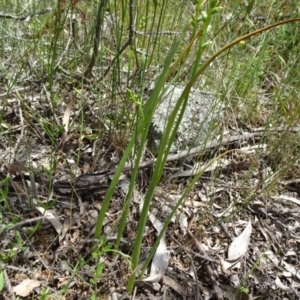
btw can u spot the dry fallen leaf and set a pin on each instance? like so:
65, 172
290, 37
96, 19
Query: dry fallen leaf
18, 188
160, 259
287, 198
240, 245
67, 113
16, 168
281, 285
51, 218
182, 290
26, 287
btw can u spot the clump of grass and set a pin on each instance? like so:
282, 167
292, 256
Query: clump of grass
110, 52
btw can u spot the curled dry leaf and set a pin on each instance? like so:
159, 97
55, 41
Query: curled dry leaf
51, 218
281, 285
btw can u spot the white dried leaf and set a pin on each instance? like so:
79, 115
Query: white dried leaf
253, 149
160, 259
240, 245
287, 198
194, 203
203, 167
291, 253
227, 211
183, 223
157, 224
291, 269
203, 197
234, 280
272, 257
281, 285
67, 114
51, 218
26, 287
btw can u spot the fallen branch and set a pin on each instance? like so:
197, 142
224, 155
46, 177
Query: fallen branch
85, 181
26, 17
194, 151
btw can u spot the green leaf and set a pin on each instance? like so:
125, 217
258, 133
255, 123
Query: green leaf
108, 248
2, 282
99, 269
249, 7
5, 180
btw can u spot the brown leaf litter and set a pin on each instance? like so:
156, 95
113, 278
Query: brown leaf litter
233, 237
